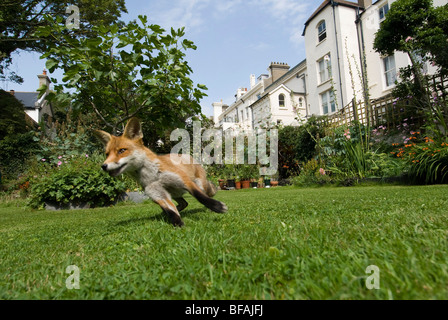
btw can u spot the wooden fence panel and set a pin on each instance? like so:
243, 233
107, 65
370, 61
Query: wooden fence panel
384, 111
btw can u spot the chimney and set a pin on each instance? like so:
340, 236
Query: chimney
217, 110
252, 81
44, 80
12, 92
364, 3
277, 69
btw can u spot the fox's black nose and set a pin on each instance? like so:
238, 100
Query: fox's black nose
104, 167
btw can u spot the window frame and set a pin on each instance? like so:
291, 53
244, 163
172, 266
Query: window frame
389, 71
326, 71
321, 34
329, 103
282, 98
383, 10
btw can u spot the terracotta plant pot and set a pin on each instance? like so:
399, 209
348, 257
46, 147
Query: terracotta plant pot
222, 182
238, 185
245, 184
274, 183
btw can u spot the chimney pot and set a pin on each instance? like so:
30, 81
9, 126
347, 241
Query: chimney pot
364, 3
44, 80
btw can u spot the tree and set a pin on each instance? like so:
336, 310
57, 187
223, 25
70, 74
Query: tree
124, 71
421, 30
19, 19
13, 117
417, 28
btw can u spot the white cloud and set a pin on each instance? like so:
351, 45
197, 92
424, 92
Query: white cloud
290, 14
179, 13
260, 46
228, 6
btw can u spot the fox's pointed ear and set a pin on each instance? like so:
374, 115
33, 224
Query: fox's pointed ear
133, 130
103, 136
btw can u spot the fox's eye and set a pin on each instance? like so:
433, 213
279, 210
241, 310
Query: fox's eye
121, 151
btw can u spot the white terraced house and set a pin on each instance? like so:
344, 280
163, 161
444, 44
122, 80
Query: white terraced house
338, 35
37, 109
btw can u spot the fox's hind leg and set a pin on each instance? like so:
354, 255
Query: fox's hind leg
181, 204
212, 204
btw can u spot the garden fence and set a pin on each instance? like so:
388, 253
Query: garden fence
386, 110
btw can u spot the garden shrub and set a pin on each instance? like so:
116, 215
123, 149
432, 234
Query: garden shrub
67, 139
311, 174
15, 151
427, 159
76, 180
296, 145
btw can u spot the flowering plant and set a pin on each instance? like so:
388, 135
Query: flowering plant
426, 157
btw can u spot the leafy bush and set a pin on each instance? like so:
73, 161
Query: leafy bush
311, 174
427, 160
15, 150
297, 144
77, 180
67, 139
13, 119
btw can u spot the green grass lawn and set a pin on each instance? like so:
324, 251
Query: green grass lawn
281, 243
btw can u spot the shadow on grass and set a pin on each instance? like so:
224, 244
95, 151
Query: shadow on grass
159, 217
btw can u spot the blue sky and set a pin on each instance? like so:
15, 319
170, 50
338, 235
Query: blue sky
235, 38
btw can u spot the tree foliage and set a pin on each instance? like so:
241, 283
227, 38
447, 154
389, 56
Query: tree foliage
19, 19
12, 120
137, 69
417, 21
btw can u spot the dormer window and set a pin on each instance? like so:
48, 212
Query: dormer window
321, 31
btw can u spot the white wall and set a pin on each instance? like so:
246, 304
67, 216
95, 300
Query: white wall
34, 114
349, 60
315, 51
341, 45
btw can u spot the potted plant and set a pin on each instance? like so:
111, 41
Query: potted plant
230, 174
267, 181
221, 183
274, 180
237, 183
237, 174
245, 176
255, 174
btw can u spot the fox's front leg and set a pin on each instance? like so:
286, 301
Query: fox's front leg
170, 209
163, 199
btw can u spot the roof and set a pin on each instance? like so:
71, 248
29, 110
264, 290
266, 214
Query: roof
326, 3
27, 98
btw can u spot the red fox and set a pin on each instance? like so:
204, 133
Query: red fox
162, 180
